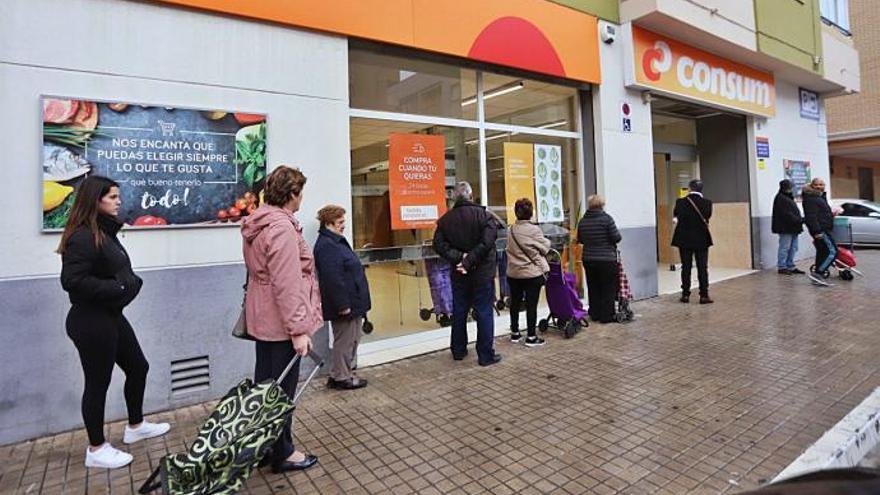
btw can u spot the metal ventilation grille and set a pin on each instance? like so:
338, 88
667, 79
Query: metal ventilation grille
190, 375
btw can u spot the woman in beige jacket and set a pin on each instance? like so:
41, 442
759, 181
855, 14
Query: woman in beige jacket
283, 302
526, 270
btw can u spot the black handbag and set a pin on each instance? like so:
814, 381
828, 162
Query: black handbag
239, 330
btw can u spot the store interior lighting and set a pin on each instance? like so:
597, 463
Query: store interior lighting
500, 90
553, 124
505, 134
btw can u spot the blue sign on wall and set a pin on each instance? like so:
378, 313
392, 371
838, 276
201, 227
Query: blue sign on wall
762, 145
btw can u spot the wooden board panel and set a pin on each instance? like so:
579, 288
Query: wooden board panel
731, 233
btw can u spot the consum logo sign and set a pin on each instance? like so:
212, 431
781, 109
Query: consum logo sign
676, 68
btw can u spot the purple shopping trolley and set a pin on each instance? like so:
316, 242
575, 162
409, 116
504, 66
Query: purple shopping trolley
440, 283
567, 313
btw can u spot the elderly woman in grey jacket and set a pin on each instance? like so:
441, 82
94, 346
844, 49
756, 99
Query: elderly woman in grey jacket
526, 269
599, 236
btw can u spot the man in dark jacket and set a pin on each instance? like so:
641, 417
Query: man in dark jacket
692, 238
820, 222
465, 237
788, 224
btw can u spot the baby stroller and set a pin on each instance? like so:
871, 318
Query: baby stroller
624, 295
567, 313
440, 282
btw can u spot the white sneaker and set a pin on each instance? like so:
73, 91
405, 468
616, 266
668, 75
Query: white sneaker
107, 457
145, 431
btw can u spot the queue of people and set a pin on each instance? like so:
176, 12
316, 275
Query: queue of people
292, 290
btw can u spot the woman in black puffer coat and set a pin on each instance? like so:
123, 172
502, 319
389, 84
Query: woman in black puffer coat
96, 273
599, 236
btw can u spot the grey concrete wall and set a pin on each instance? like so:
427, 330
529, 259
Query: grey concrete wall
180, 313
639, 252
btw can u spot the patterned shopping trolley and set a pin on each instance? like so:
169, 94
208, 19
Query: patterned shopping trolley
232, 441
624, 294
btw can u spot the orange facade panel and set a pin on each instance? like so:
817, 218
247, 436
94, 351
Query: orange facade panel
533, 35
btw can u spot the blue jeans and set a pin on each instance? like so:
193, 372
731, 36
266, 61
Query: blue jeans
826, 251
788, 248
480, 297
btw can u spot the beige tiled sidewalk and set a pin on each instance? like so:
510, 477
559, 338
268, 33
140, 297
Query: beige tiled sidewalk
688, 399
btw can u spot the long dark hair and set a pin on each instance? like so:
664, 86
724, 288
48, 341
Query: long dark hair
85, 209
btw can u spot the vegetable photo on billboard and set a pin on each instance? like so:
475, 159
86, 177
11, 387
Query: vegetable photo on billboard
177, 167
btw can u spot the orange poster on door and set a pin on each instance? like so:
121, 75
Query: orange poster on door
519, 180
416, 180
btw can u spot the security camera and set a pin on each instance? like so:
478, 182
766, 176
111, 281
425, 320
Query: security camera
609, 34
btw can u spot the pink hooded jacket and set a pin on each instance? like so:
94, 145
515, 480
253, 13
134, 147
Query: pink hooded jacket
283, 299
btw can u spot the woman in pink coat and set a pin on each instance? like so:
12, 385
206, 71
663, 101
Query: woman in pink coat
283, 303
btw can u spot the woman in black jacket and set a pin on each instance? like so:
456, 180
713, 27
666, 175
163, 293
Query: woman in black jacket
599, 236
788, 224
96, 272
345, 295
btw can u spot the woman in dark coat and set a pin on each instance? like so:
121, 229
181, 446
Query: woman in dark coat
599, 236
345, 295
96, 273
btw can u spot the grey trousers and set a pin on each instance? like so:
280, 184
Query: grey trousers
347, 333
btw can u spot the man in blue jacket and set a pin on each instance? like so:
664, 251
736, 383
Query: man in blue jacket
465, 237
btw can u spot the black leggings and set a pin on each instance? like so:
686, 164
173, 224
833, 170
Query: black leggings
104, 338
531, 288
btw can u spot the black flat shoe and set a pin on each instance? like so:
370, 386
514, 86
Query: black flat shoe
495, 359
684, 299
288, 466
459, 357
350, 384
706, 300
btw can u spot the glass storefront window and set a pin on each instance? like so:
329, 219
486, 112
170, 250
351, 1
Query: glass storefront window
498, 199
393, 94
389, 83
369, 177
529, 103
396, 259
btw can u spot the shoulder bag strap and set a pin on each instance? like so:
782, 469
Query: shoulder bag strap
510, 231
700, 213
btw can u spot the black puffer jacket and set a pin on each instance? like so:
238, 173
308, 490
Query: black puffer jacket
599, 235
98, 277
817, 211
341, 277
787, 217
468, 229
